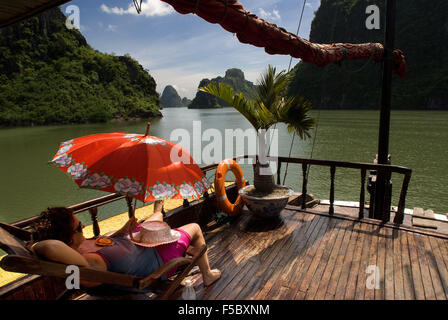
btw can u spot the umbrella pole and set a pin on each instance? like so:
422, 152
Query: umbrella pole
131, 211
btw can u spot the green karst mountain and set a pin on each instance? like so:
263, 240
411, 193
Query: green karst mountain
170, 98
234, 78
49, 74
421, 33
186, 102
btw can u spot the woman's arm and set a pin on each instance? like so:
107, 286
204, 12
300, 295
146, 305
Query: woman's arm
130, 224
58, 251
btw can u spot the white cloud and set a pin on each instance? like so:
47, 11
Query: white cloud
111, 27
84, 28
150, 8
269, 16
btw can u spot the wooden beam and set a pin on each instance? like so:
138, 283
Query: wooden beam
27, 10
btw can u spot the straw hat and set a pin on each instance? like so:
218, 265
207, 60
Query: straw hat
154, 233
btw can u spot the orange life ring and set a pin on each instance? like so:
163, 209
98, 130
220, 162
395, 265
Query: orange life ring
232, 209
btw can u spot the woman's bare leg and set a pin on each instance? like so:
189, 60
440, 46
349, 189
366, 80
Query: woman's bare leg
197, 241
157, 216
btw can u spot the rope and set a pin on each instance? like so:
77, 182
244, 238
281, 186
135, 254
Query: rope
225, 14
318, 115
363, 66
138, 6
290, 150
289, 69
298, 28
312, 148
197, 6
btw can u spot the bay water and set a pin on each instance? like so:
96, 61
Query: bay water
418, 140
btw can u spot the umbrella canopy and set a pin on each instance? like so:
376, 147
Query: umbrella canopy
139, 166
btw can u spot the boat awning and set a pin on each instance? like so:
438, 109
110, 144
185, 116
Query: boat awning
250, 29
12, 11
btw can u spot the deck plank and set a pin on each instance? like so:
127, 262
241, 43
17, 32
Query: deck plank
424, 268
326, 277
389, 267
332, 285
441, 268
443, 247
308, 255
355, 270
303, 260
408, 286
311, 259
274, 283
271, 256
433, 268
369, 293
419, 290
314, 256
237, 284
336, 238
381, 264
364, 263
348, 261
314, 274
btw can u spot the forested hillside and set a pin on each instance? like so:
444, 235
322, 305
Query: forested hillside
421, 33
235, 78
170, 98
49, 74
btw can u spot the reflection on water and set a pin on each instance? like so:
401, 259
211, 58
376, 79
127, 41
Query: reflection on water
418, 141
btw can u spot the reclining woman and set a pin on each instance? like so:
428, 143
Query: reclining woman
63, 241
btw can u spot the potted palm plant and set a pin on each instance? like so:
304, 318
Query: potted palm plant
270, 106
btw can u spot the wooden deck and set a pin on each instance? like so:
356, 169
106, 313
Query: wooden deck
309, 255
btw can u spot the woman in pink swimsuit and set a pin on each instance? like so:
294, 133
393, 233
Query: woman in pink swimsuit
63, 241
190, 234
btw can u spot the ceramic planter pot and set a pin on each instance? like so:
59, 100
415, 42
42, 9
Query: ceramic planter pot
266, 207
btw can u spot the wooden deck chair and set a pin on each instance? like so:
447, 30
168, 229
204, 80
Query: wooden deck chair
20, 259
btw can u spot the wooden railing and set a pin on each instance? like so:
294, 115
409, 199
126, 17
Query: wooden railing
92, 205
363, 167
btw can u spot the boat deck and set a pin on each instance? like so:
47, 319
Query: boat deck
310, 255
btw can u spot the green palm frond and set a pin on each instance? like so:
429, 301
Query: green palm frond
238, 101
265, 115
295, 113
271, 88
271, 106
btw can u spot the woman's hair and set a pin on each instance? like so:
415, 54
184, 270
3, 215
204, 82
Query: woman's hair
55, 223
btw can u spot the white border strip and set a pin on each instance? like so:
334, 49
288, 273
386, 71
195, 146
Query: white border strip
437, 216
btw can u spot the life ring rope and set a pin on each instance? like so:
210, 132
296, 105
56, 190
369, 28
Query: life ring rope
232, 209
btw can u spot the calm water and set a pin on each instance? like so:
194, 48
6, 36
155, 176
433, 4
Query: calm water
418, 141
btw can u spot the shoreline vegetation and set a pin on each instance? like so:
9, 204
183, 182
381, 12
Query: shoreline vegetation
422, 38
50, 75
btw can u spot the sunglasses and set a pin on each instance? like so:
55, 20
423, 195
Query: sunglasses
79, 227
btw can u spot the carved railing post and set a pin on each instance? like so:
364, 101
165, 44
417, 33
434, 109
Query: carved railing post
362, 195
332, 173
304, 183
279, 164
131, 211
399, 216
94, 215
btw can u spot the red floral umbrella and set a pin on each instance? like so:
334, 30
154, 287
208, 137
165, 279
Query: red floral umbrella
139, 166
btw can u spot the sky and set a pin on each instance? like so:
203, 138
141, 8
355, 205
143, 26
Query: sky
181, 50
